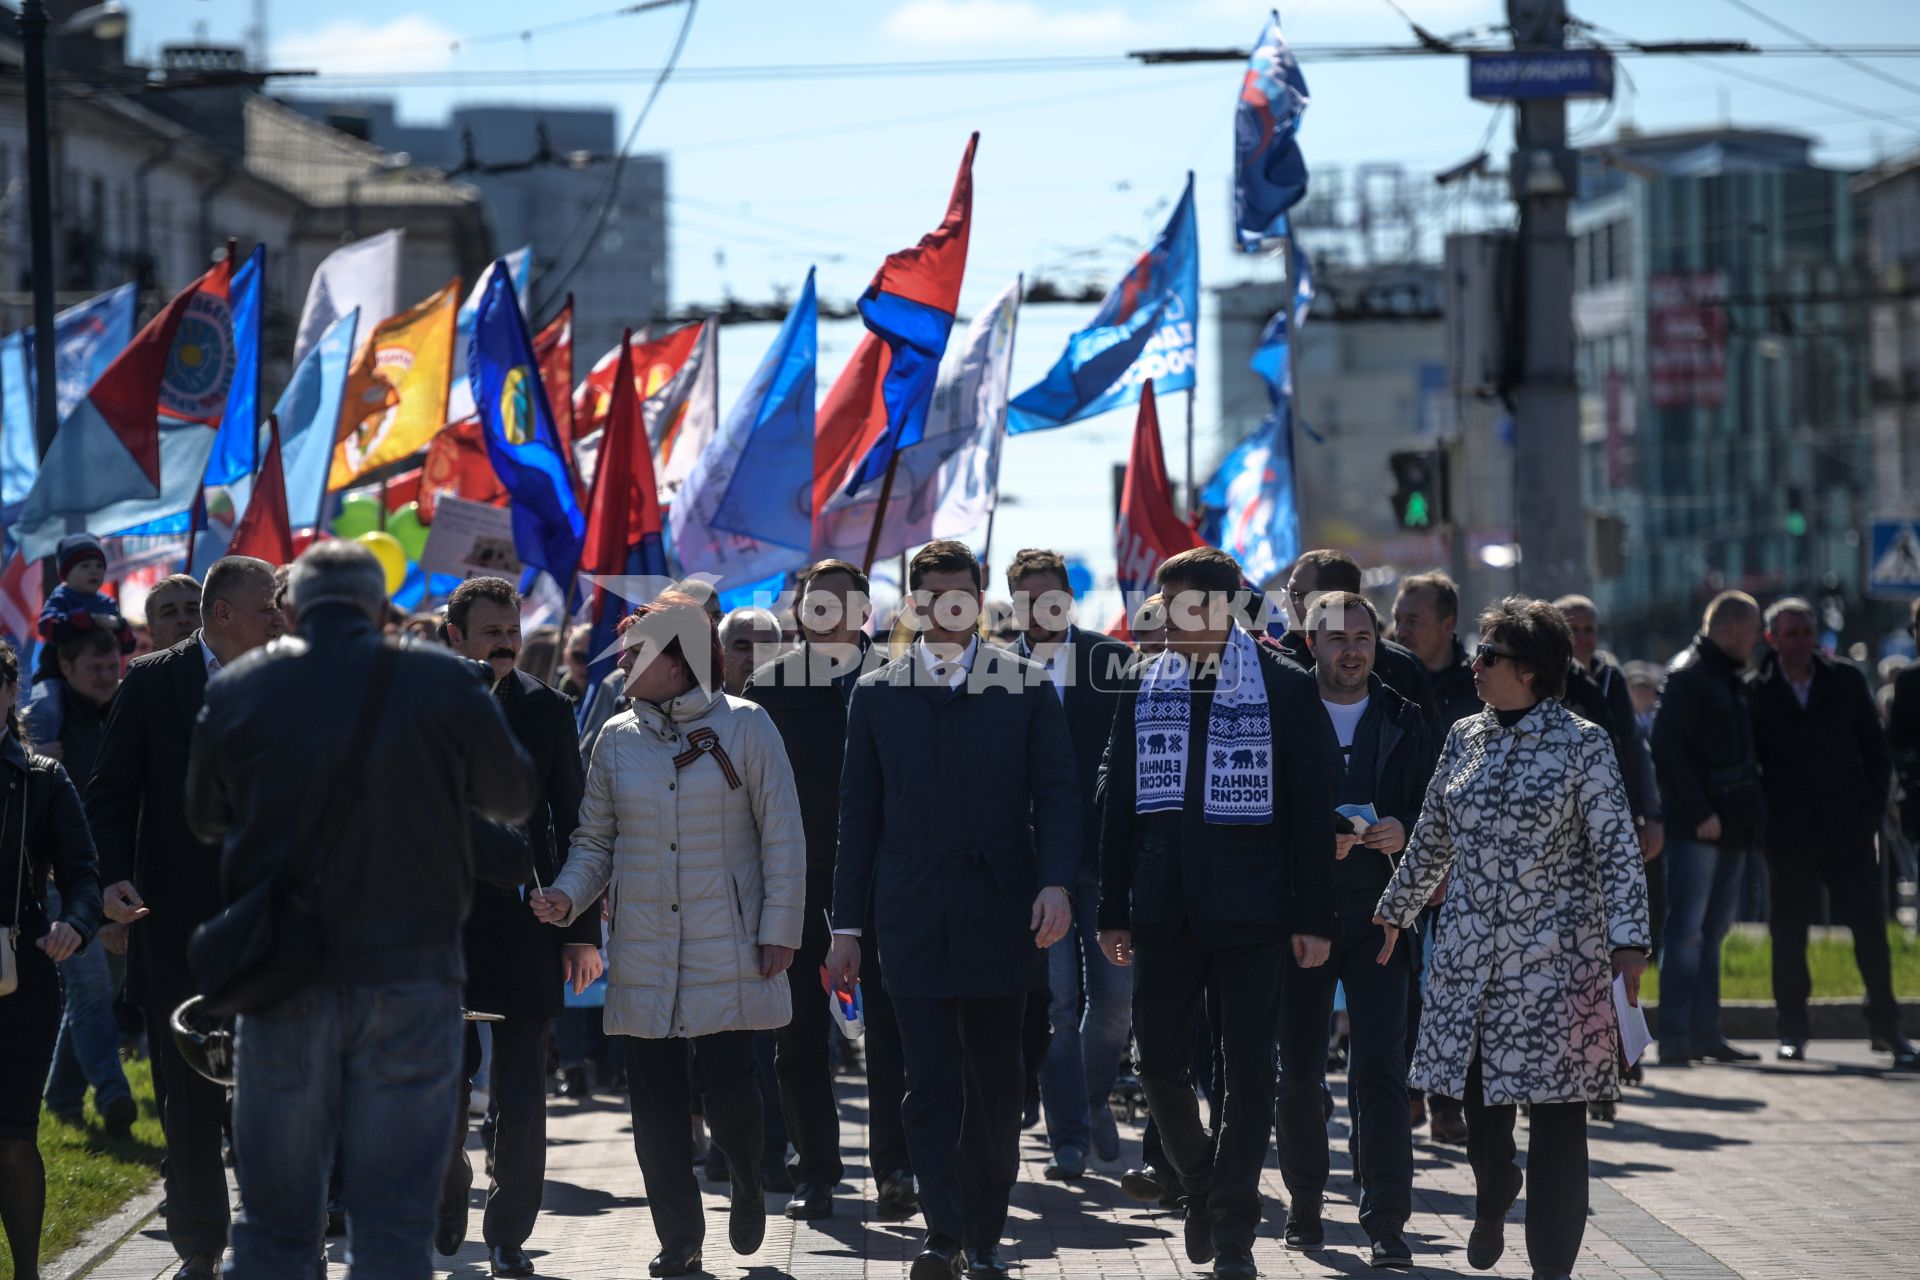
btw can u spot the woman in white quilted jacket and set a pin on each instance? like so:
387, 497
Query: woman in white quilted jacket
691, 827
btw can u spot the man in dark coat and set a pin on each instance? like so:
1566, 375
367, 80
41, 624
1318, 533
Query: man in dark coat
1211, 877
960, 823
516, 967
1384, 760
1710, 797
1318, 571
1826, 769
1426, 622
1903, 734
1597, 693
805, 691
1091, 1001
158, 873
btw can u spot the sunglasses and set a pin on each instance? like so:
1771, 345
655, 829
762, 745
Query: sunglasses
1489, 657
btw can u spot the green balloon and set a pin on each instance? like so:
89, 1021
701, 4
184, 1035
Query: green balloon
405, 525
358, 514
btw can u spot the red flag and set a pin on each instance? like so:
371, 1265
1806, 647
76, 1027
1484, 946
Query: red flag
553, 352
1150, 529
623, 519
264, 529
20, 598
851, 417
457, 463
654, 364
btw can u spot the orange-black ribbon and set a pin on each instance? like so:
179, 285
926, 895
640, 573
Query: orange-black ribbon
703, 742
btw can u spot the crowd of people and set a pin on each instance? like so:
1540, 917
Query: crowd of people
354, 878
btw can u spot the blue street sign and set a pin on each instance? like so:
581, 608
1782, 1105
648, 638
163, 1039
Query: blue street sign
1541, 73
1893, 559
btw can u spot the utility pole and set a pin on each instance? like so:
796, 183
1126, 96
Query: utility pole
1549, 517
33, 45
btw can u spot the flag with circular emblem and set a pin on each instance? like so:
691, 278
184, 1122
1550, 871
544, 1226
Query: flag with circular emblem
396, 397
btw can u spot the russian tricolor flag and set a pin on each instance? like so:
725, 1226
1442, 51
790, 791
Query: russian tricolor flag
623, 523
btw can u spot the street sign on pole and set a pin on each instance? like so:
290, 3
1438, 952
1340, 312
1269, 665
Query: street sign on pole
1893, 559
1523, 76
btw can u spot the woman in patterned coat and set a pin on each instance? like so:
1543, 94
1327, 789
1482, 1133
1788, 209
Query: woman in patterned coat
1546, 902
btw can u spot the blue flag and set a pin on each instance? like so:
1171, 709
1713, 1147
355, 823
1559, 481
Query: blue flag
548, 525
1144, 329
87, 338
1269, 173
237, 450
309, 413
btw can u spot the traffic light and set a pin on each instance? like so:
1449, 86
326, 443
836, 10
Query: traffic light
1419, 488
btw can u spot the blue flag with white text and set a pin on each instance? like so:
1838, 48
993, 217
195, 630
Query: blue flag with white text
1269, 173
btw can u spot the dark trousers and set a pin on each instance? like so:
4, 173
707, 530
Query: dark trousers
1853, 880
1171, 980
1556, 1171
804, 1049
965, 1081
1376, 1073
1207, 1073
519, 1089
660, 1089
887, 1149
194, 1117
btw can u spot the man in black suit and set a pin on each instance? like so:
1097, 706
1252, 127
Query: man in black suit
960, 824
1318, 571
805, 691
1216, 853
1091, 1006
159, 874
515, 965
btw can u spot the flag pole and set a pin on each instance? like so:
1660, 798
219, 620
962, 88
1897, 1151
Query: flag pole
880, 512
1193, 488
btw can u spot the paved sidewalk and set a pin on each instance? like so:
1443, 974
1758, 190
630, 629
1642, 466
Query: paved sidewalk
1774, 1170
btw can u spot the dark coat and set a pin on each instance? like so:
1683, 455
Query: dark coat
807, 700
1453, 691
1100, 673
1395, 664
513, 961
1703, 749
136, 809
273, 738
57, 843
1903, 735
1231, 885
1825, 767
956, 808
1600, 697
1404, 765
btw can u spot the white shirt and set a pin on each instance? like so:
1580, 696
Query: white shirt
1346, 722
1802, 689
952, 673
207, 655
1059, 663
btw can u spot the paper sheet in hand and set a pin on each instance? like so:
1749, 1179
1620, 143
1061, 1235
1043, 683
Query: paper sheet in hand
1634, 1036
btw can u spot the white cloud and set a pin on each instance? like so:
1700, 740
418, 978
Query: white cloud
412, 41
945, 23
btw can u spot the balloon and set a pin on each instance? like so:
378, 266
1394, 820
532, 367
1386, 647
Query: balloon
392, 556
405, 525
359, 514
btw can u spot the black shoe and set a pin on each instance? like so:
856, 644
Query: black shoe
676, 1260
898, 1200
1145, 1185
337, 1217
1305, 1230
747, 1218
573, 1083
200, 1266
509, 1260
1068, 1164
775, 1176
1390, 1250
811, 1202
716, 1165
450, 1226
1235, 1263
1447, 1122
118, 1115
1604, 1111
1791, 1051
1488, 1239
986, 1264
939, 1259
1905, 1056
1199, 1231
1030, 1110
1724, 1052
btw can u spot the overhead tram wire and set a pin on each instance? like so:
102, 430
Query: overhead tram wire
1828, 50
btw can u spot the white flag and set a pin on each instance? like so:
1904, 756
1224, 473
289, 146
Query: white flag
683, 416
364, 274
949, 481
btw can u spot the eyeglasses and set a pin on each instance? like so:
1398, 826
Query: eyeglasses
1489, 657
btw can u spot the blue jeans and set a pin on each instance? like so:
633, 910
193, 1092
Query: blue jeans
1703, 888
374, 1070
88, 1051
1092, 1011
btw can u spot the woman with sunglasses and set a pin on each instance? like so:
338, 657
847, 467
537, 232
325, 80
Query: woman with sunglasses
1546, 903
43, 832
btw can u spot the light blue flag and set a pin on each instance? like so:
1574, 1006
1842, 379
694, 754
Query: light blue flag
88, 337
1146, 328
184, 450
19, 451
237, 450
309, 413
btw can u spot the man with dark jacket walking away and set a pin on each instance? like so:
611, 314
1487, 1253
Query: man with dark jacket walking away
516, 967
366, 1057
1216, 853
1710, 796
1318, 571
1384, 758
1825, 766
805, 692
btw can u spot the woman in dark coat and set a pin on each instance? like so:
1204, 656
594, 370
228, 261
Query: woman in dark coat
43, 831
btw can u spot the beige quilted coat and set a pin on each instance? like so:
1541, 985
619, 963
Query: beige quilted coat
700, 873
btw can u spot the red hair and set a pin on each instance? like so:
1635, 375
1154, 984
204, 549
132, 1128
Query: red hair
665, 606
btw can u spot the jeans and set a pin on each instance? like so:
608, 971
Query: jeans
1703, 888
88, 1051
374, 1069
1091, 1013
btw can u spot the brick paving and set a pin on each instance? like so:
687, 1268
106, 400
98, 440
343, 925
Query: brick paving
1771, 1171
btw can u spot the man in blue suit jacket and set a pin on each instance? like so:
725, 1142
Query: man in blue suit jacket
960, 822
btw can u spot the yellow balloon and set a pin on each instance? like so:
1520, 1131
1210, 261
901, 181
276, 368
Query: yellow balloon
392, 556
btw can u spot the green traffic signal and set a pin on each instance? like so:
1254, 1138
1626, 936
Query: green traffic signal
1419, 512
